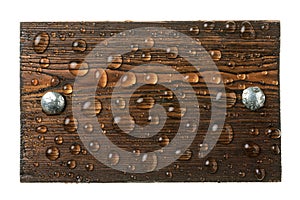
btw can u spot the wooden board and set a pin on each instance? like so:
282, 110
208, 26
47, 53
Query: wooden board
246, 54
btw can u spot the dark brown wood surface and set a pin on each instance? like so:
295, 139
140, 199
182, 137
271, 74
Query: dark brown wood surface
246, 54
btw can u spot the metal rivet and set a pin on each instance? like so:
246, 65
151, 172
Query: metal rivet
53, 103
253, 98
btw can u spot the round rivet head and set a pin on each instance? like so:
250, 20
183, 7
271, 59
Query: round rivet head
253, 98
53, 103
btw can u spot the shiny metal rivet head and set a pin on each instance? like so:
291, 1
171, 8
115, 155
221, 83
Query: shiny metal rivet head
53, 103
253, 98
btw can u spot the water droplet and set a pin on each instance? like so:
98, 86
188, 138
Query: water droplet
91, 107
70, 124
75, 149
71, 164
79, 45
52, 153
151, 78
94, 146
59, 139
113, 158
231, 64
254, 131
226, 136
149, 42
89, 167
241, 76
251, 149
191, 77
41, 129
215, 55
38, 119
169, 174
146, 56
101, 75
54, 81
34, 82
149, 161
247, 31
126, 123
273, 133
163, 140
114, 62
168, 94
265, 27
44, 62
153, 119
275, 149
194, 30
41, 138
211, 165
216, 79
120, 103
187, 155
62, 36
78, 68
230, 26
82, 30
242, 174
145, 102
67, 89
208, 26
88, 128
260, 174
172, 52
41, 42
128, 79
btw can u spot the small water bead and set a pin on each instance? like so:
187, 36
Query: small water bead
89, 167
215, 55
75, 149
67, 89
101, 75
211, 165
88, 128
191, 77
145, 102
41, 129
265, 27
41, 138
163, 140
241, 76
94, 146
260, 173
275, 149
153, 119
169, 174
151, 78
113, 158
191, 127
54, 81
120, 103
187, 155
62, 36
149, 161
128, 79
53, 103
230, 27
70, 124
254, 131
208, 26
126, 123
52, 153
168, 94
242, 174
194, 30
146, 56
71, 164
226, 136
172, 52
82, 30
78, 68
273, 132
149, 42
34, 82
38, 119
41, 42
114, 62
251, 149
44, 62
79, 45
91, 107
59, 139
247, 31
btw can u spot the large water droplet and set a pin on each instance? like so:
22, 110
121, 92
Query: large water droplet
208, 26
71, 164
126, 123
41, 42
230, 27
273, 133
113, 158
260, 174
94, 146
191, 77
101, 75
172, 52
149, 161
78, 68
79, 45
211, 165
128, 79
114, 62
194, 30
151, 78
70, 124
75, 149
88, 128
247, 31
91, 107
41, 129
52, 153
215, 54
251, 149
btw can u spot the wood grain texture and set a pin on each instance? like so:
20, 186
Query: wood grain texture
246, 54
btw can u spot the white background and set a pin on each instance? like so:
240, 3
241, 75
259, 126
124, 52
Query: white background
14, 12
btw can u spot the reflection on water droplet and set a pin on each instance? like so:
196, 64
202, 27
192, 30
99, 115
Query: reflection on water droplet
34, 82
145, 102
101, 75
208, 26
75, 149
78, 68
194, 30
59, 139
91, 107
44, 62
88, 128
251, 149
52, 153
94, 146
211, 165
275, 149
114, 62
149, 42
128, 79
41, 129
187, 155
79, 45
41, 42
215, 55
247, 31
113, 158
71, 164
70, 124
260, 174
273, 133
151, 78
230, 26
89, 167
172, 52
163, 140
67, 89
